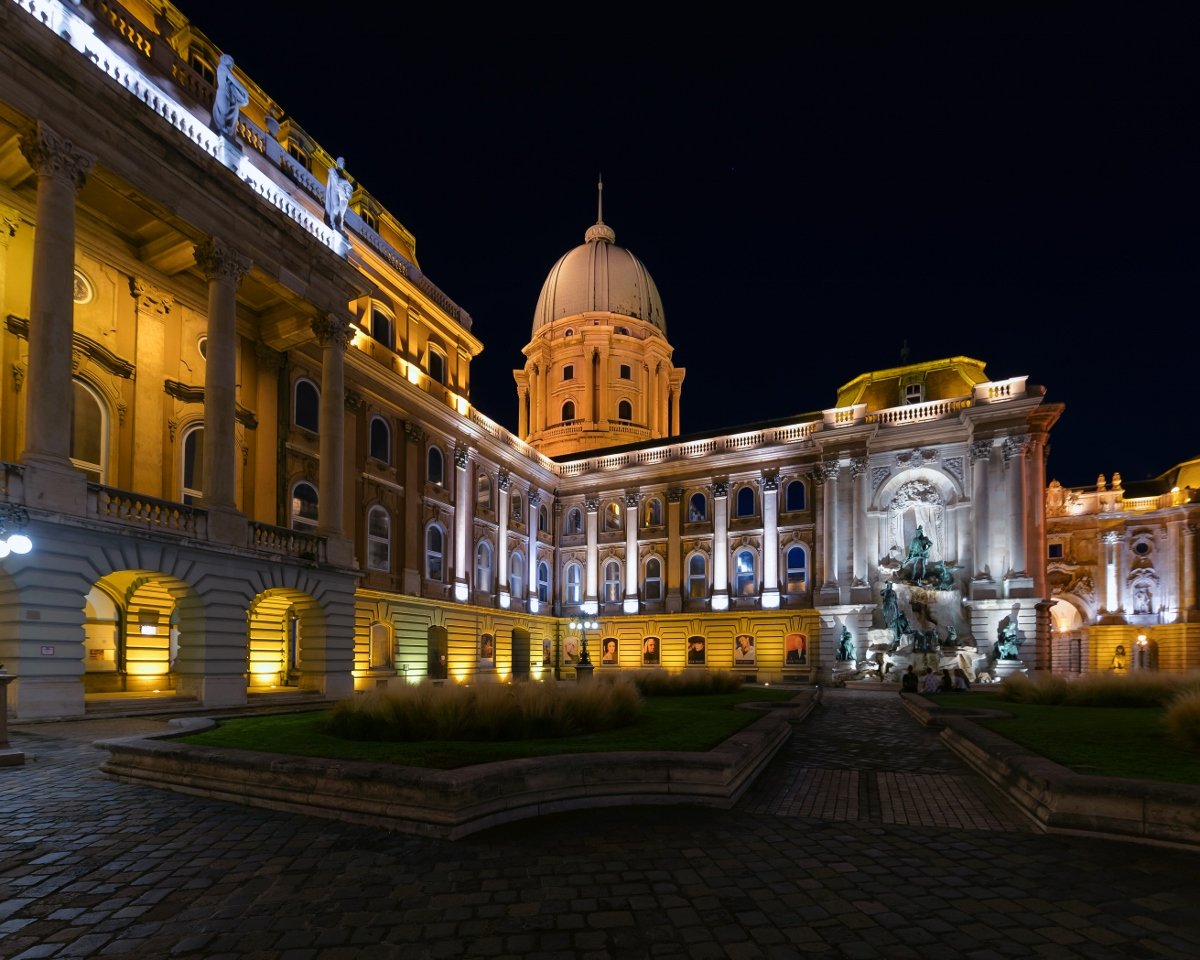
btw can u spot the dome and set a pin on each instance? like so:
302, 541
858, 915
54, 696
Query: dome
599, 276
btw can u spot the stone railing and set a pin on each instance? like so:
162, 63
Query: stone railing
267, 538
997, 390
147, 513
917, 412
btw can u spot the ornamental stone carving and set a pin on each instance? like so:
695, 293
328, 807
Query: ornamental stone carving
150, 299
9, 221
56, 157
858, 466
503, 479
462, 456
332, 329
980, 450
825, 471
674, 494
720, 488
413, 432
592, 504
219, 261
1014, 447
769, 481
632, 499
954, 467
535, 497
878, 475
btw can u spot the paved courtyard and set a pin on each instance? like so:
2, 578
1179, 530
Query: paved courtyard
864, 839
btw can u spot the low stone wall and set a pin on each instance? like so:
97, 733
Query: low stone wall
1059, 799
456, 803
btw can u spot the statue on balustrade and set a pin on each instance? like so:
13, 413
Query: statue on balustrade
337, 196
231, 97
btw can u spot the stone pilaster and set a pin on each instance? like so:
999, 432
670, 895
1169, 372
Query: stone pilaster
333, 334
153, 307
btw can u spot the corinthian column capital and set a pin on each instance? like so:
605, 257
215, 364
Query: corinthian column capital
331, 328
57, 157
219, 261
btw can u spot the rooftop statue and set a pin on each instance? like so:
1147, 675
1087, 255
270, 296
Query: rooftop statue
231, 97
337, 196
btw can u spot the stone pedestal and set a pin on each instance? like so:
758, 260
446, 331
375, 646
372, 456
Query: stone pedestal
1002, 669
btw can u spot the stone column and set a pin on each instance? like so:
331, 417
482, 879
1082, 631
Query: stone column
675, 583
414, 456
61, 169
531, 547
673, 407
826, 478
981, 454
592, 574
543, 395
503, 481
587, 405
631, 552
1015, 452
720, 589
224, 269
153, 307
462, 523
770, 515
1109, 547
1188, 572
333, 334
523, 412
858, 522
604, 411
660, 401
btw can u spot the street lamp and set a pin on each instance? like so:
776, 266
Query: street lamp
13, 517
584, 668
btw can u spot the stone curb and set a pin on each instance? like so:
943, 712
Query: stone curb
455, 803
1058, 799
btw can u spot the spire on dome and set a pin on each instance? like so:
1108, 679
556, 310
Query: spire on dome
600, 230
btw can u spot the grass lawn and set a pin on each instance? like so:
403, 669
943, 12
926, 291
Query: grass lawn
689, 723
1108, 741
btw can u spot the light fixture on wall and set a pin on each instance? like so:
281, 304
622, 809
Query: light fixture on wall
148, 622
12, 524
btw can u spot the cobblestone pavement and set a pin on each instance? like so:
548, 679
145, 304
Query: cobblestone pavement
864, 839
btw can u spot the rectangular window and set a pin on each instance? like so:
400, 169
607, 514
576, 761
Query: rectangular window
1054, 551
914, 393
626, 372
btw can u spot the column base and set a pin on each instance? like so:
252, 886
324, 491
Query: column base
719, 601
214, 691
37, 698
53, 484
335, 686
227, 525
770, 599
339, 552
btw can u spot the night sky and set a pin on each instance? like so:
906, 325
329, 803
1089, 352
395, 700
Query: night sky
1012, 182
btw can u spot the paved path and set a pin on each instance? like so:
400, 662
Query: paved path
864, 840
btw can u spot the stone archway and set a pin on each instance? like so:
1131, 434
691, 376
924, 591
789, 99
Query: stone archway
282, 624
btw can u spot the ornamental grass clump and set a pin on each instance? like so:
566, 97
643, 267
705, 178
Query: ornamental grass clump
1137, 689
662, 684
1183, 719
492, 712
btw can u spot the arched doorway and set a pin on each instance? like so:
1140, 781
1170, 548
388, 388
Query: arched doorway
281, 625
131, 637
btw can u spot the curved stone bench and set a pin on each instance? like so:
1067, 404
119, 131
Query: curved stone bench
455, 803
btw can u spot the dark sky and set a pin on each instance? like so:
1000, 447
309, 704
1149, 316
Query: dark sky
1012, 182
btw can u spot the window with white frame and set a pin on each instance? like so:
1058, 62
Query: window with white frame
572, 583
653, 581
744, 504
483, 566
543, 582
304, 506
697, 507
193, 464
697, 576
612, 582
437, 365
796, 569
379, 539
793, 496
435, 552
516, 574
914, 392
745, 582
381, 440
436, 466
89, 432
307, 412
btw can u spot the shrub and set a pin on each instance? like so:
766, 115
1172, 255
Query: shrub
659, 683
524, 711
1140, 689
1183, 718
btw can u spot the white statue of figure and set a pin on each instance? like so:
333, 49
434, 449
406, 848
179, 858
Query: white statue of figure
231, 97
337, 196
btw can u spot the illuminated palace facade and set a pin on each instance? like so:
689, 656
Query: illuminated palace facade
235, 425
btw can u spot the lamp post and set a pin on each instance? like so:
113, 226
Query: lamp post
14, 518
584, 668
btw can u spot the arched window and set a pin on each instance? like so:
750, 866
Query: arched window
382, 328
518, 507
483, 492
568, 411
697, 507
435, 546
543, 520
89, 432
794, 496
653, 581
697, 576
624, 410
572, 583
381, 440
436, 468
797, 570
612, 516
543, 582
437, 365
516, 575
379, 539
483, 566
307, 413
193, 464
574, 521
612, 582
304, 506
745, 583
652, 513
623, 331
745, 502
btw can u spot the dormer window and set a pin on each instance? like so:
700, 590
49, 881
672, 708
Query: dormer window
914, 393
300, 155
369, 219
200, 63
